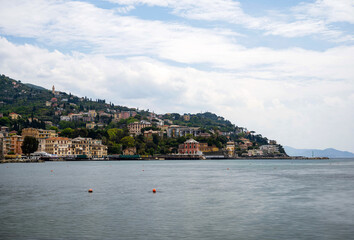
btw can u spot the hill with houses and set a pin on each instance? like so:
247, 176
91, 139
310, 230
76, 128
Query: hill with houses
123, 129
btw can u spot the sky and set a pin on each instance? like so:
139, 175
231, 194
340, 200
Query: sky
284, 69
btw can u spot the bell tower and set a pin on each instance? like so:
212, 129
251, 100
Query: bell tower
53, 89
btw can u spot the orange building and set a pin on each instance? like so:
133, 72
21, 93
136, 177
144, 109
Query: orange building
12, 144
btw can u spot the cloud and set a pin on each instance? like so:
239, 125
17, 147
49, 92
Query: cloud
301, 97
316, 112
305, 19
328, 10
98, 31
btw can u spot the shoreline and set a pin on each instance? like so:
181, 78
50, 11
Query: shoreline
155, 159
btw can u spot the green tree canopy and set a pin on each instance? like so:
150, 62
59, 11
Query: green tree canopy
115, 134
128, 141
29, 145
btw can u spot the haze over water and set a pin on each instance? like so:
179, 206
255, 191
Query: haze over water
255, 199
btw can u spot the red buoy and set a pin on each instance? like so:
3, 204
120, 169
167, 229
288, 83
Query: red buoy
154, 190
90, 190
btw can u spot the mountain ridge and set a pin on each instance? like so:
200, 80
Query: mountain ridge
328, 152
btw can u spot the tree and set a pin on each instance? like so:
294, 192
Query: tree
67, 132
115, 134
29, 145
128, 141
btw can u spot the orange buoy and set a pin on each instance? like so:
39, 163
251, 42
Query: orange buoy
51, 170
90, 190
228, 168
154, 190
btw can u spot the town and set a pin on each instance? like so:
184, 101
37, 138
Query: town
68, 127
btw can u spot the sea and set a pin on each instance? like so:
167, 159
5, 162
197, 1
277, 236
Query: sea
205, 199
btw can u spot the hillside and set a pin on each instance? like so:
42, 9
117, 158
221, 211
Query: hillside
329, 152
72, 116
29, 100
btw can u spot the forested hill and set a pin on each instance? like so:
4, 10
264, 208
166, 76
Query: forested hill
29, 100
70, 116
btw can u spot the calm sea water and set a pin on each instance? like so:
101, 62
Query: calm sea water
255, 199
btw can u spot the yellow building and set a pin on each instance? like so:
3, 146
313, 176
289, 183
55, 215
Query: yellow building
60, 146
135, 127
230, 148
203, 147
14, 116
40, 135
89, 147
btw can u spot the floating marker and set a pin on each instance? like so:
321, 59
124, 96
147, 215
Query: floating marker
90, 190
154, 190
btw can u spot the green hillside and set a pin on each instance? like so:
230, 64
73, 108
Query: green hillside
42, 108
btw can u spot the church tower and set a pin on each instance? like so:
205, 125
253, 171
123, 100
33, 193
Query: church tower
53, 89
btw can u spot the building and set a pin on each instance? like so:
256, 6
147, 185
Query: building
135, 127
230, 148
89, 147
14, 116
75, 116
269, 149
190, 147
186, 117
4, 129
245, 143
90, 125
182, 131
2, 146
60, 146
204, 147
92, 115
205, 135
129, 151
12, 144
40, 135
65, 118
254, 152
148, 134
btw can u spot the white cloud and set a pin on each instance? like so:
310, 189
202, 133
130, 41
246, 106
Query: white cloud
300, 97
312, 113
328, 10
306, 19
78, 24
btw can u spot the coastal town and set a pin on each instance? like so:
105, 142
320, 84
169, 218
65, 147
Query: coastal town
80, 128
